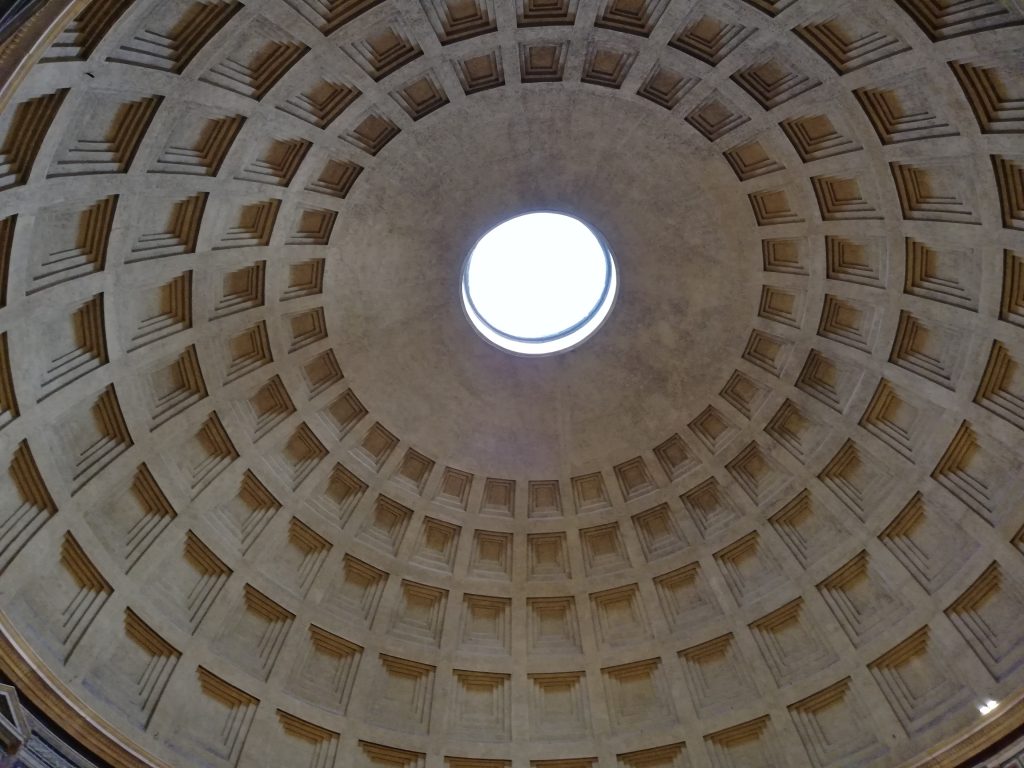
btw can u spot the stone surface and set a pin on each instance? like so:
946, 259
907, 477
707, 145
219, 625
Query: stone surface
268, 499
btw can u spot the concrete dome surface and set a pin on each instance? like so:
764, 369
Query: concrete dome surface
267, 498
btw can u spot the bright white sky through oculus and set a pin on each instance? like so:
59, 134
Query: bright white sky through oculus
537, 275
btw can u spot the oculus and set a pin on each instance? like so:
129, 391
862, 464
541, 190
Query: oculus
539, 283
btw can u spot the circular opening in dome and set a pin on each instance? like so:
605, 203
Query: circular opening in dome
539, 283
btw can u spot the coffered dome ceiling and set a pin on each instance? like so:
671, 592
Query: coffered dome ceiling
270, 500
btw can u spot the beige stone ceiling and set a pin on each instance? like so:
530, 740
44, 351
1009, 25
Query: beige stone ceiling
439, 384
269, 500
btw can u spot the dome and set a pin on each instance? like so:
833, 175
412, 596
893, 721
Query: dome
267, 497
